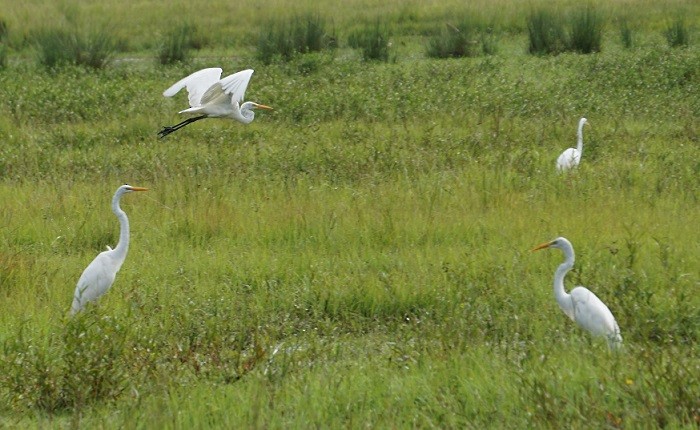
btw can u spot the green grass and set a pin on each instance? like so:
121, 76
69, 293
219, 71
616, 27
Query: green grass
283, 40
466, 39
677, 33
58, 47
627, 33
3, 56
177, 44
373, 42
236, 27
358, 257
586, 30
3, 43
547, 33
552, 32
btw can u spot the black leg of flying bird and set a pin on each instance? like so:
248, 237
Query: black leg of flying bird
169, 129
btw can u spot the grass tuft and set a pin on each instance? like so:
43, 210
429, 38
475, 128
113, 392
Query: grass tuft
4, 32
466, 39
586, 30
3, 55
626, 34
453, 42
373, 41
55, 47
677, 33
489, 45
546, 33
59, 46
176, 44
282, 40
551, 33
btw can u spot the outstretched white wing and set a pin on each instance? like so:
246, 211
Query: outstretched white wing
197, 84
232, 85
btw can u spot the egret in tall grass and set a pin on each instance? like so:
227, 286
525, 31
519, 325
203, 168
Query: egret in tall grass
571, 157
213, 97
582, 306
99, 275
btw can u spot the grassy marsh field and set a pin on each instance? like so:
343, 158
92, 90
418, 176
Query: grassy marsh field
358, 257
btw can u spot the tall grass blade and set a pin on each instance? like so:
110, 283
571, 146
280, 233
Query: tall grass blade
586, 30
546, 33
283, 40
373, 41
677, 33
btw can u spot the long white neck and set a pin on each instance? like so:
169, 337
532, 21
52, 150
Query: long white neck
123, 245
564, 298
245, 113
579, 138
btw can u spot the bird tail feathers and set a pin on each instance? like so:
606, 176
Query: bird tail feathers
195, 109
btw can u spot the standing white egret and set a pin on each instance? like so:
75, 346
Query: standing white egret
582, 306
572, 156
99, 275
213, 97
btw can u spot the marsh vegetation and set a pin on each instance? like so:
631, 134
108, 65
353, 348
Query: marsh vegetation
358, 257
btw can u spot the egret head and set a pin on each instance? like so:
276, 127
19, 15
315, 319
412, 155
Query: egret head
582, 122
126, 188
247, 111
253, 105
560, 243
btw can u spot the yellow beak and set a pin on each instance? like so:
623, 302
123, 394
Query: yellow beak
541, 246
138, 189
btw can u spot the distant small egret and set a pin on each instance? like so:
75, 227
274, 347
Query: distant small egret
582, 306
571, 157
99, 275
214, 97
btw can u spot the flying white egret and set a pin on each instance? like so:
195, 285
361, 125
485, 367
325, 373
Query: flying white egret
582, 306
213, 97
99, 275
571, 157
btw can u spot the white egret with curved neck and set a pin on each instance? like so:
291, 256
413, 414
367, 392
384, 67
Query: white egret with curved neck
99, 275
581, 305
213, 97
571, 157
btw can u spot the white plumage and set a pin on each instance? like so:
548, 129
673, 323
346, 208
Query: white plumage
99, 276
581, 305
571, 157
213, 97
